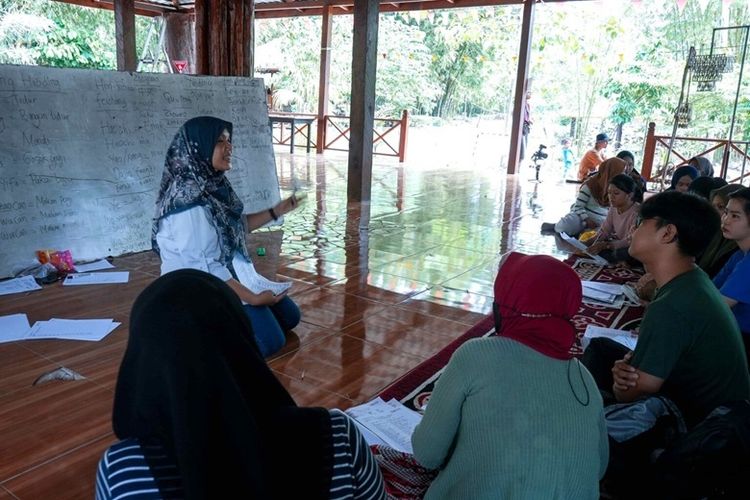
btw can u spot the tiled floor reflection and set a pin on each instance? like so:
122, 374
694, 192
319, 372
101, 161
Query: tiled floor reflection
382, 286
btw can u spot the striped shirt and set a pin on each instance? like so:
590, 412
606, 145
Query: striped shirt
355, 472
124, 472
586, 206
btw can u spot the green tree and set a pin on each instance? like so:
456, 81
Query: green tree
637, 91
51, 33
466, 46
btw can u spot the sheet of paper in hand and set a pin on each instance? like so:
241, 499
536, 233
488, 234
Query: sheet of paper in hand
583, 248
248, 276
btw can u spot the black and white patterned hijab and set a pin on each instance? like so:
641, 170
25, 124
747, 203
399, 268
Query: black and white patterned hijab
190, 180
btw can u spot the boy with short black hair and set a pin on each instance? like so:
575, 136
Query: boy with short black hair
733, 281
689, 347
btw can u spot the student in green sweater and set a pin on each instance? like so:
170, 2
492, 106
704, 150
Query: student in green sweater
689, 348
516, 416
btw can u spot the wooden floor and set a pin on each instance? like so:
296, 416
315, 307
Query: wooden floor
379, 293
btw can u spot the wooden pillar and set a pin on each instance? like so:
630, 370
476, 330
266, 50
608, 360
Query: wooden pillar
125, 35
218, 55
364, 60
179, 39
224, 37
325, 72
649, 149
403, 139
201, 37
248, 30
524, 51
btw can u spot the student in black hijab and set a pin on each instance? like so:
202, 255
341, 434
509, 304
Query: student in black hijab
703, 186
703, 165
201, 415
199, 224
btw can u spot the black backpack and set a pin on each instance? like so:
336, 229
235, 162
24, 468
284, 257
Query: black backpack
710, 461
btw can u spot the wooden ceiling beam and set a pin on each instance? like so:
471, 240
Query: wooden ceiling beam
315, 7
291, 8
141, 8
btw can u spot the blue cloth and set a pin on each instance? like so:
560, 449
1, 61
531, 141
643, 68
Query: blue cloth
270, 323
733, 281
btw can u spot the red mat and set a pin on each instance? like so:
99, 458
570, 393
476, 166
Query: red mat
414, 388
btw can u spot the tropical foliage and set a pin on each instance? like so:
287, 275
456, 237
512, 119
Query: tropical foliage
608, 65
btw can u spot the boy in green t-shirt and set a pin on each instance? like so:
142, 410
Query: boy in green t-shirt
689, 347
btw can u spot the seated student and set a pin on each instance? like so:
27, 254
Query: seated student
199, 224
719, 198
516, 416
719, 249
713, 258
702, 186
689, 347
733, 281
682, 178
703, 165
629, 160
201, 415
592, 203
619, 224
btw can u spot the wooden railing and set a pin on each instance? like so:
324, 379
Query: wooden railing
659, 145
335, 134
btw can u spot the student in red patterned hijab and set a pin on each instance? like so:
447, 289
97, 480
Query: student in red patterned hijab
514, 415
535, 298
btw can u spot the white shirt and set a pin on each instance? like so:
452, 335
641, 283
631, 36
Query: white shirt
187, 239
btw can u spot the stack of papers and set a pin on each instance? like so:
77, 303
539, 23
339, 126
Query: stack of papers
607, 293
583, 248
624, 337
16, 327
389, 423
72, 329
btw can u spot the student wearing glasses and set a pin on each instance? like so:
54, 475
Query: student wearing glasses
689, 347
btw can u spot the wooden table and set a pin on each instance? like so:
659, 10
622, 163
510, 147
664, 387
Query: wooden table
297, 123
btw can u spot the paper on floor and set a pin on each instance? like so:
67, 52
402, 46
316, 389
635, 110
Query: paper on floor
94, 266
72, 329
18, 285
391, 423
97, 278
13, 327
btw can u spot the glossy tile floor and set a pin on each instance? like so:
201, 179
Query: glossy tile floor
381, 287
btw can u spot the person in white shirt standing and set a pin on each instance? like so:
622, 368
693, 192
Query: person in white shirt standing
199, 224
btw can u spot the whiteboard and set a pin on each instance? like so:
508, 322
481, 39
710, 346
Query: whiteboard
82, 154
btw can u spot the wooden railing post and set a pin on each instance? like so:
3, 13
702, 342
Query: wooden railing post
648, 152
403, 138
